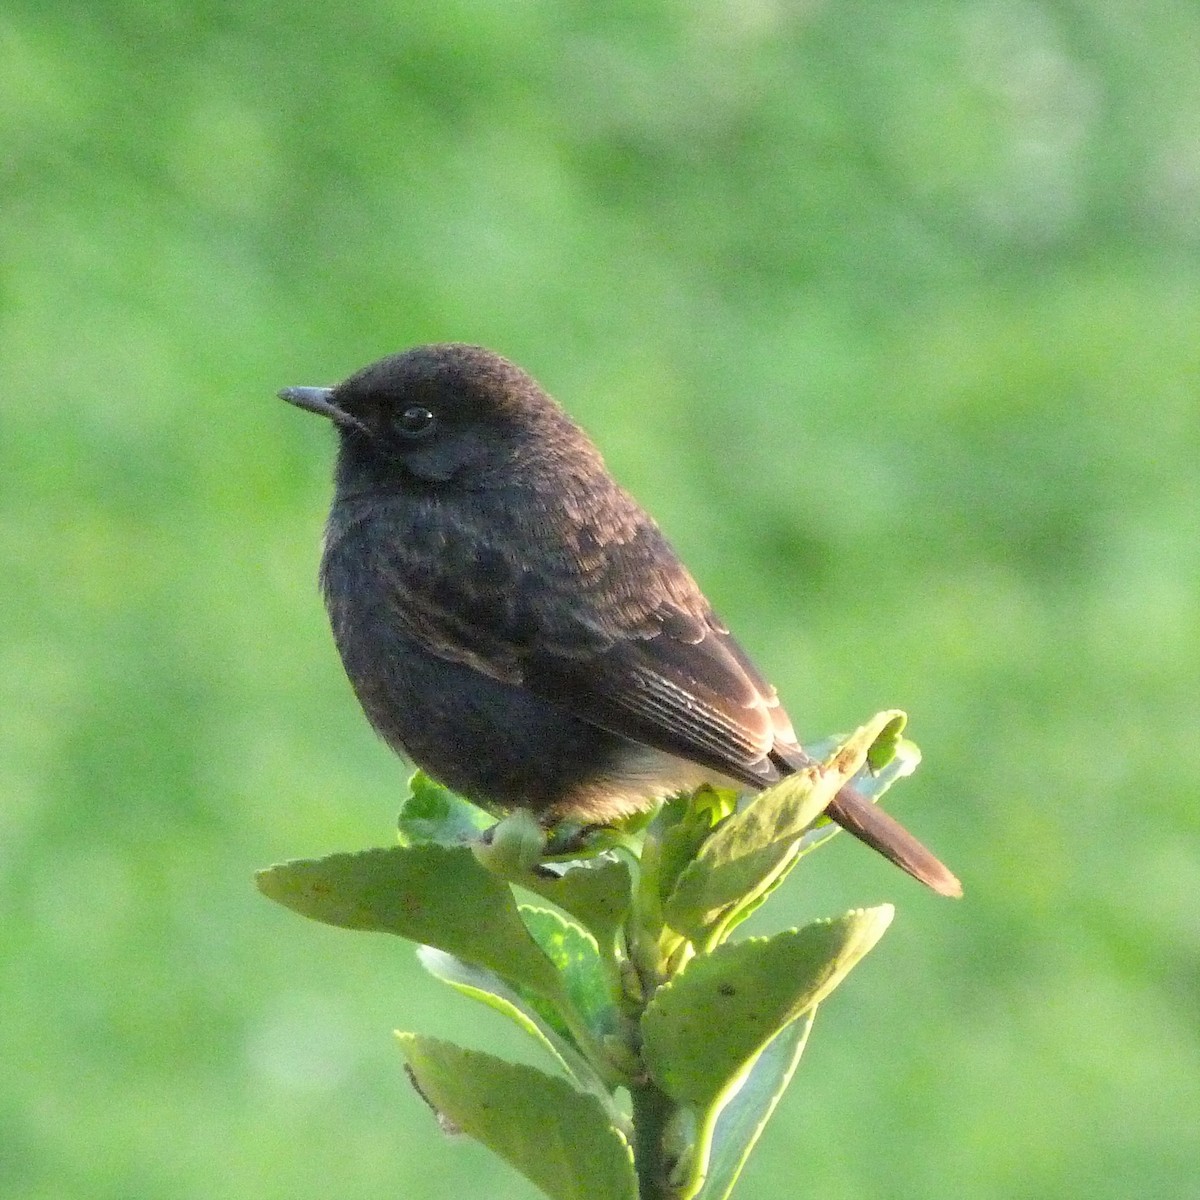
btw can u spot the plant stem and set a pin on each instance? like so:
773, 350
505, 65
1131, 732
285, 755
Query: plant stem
652, 1109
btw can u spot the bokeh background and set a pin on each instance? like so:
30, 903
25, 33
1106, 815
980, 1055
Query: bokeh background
888, 311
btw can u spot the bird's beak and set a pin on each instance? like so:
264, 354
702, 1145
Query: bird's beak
320, 400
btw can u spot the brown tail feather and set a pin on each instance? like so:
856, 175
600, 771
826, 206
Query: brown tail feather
869, 823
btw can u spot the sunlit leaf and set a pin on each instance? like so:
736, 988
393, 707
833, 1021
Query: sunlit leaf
595, 891
740, 1122
437, 895
559, 1138
433, 813
749, 852
488, 988
573, 952
702, 1031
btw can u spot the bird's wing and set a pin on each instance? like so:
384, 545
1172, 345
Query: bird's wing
612, 627
689, 698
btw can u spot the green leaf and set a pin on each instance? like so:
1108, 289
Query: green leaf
883, 749
682, 827
433, 813
701, 1031
488, 988
595, 891
514, 847
904, 760
740, 1122
573, 952
558, 1138
751, 851
437, 895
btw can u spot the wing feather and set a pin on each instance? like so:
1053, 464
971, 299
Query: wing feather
602, 619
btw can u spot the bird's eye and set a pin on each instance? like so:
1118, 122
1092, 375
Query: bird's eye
415, 422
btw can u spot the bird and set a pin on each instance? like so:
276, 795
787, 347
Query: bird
513, 622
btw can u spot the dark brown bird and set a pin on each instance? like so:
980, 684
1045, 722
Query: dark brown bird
513, 622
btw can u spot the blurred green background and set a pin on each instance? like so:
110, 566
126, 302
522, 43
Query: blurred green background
889, 312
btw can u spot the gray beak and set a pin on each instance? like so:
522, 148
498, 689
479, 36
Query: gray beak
320, 400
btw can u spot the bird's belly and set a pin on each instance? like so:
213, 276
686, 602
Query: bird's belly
494, 742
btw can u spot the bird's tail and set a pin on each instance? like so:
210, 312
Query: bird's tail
869, 823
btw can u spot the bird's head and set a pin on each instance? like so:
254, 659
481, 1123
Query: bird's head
443, 413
